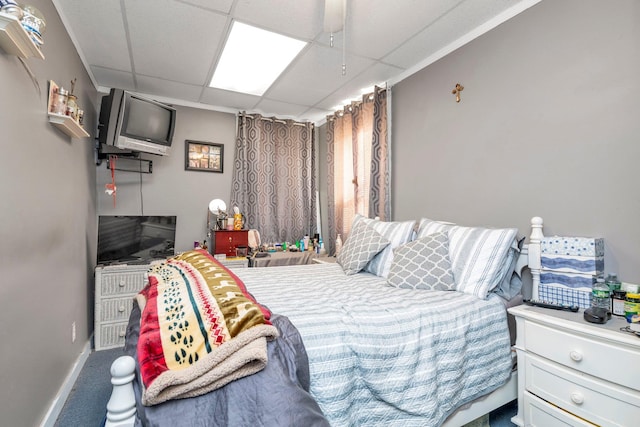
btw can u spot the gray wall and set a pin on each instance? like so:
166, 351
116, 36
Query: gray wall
548, 126
170, 189
47, 237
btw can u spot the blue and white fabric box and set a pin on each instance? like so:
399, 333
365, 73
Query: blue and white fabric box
569, 280
589, 265
573, 246
564, 295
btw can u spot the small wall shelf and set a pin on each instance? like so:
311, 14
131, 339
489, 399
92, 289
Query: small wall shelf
68, 125
15, 40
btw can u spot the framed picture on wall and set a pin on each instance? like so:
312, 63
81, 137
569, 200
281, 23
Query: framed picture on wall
203, 156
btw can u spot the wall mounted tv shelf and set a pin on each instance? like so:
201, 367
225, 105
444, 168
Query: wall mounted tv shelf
15, 40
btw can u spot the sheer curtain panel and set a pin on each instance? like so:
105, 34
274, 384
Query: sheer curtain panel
358, 164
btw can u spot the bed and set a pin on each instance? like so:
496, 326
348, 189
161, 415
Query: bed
360, 342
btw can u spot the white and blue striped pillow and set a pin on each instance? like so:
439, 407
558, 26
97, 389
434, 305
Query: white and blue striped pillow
397, 232
480, 257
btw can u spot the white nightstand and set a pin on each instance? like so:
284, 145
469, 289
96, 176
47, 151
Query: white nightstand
575, 373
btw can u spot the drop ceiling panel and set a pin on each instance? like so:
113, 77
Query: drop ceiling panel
314, 75
300, 19
109, 78
168, 89
229, 99
102, 45
222, 6
468, 16
178, 44
368, 21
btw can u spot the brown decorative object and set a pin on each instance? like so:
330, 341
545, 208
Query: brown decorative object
459, 88
203, 156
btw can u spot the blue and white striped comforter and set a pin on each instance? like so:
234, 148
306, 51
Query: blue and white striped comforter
385, 356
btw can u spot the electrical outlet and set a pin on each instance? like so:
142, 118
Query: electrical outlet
73, 332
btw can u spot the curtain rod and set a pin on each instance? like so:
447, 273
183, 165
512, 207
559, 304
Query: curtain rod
270, 119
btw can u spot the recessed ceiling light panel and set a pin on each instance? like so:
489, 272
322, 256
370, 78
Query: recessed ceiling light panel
253, 59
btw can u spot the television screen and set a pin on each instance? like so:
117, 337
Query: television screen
135, 239
147, 121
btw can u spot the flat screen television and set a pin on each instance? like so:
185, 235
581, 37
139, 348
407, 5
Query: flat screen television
133, 238
135, 123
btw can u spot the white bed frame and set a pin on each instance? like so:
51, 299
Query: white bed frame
121, 408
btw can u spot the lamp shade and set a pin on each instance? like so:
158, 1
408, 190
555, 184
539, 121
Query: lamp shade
217, 205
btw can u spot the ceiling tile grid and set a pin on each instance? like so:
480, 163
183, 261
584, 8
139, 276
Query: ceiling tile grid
169, 48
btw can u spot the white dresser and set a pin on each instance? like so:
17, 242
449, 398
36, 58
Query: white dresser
116, 286
575, 373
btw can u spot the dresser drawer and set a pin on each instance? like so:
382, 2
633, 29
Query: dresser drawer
111, 335
115, 309
120, 283
539, 413
590, 398
598, 358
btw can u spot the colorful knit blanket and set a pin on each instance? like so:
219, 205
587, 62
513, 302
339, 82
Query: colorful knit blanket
200, 329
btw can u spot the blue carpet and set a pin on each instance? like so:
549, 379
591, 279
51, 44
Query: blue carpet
87, 401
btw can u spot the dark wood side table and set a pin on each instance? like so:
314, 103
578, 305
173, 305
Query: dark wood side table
226, 241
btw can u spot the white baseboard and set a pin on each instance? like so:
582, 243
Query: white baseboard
58, 403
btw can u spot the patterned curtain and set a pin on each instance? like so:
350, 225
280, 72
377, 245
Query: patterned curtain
274, 182
358, 164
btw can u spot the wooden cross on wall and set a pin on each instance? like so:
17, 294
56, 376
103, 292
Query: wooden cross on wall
456, 91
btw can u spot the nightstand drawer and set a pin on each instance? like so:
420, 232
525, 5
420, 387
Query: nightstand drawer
539, 413
597, 358
114, 309
590, 398
122, 283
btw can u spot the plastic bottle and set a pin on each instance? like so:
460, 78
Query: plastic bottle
600, 295
612, 282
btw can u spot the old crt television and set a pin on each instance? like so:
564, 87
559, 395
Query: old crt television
135, 238
135, 123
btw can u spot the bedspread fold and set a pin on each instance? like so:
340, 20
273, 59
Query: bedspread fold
200, 329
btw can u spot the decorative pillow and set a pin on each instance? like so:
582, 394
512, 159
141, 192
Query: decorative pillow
423, 264
511, 283
397, 232
361, 246
478, 257
428, 226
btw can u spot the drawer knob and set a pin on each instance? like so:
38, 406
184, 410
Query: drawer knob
121, 284
121, 309
577, 398
122, 334
576, 356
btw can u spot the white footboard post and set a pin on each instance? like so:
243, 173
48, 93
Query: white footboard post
121, 408
534, 253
